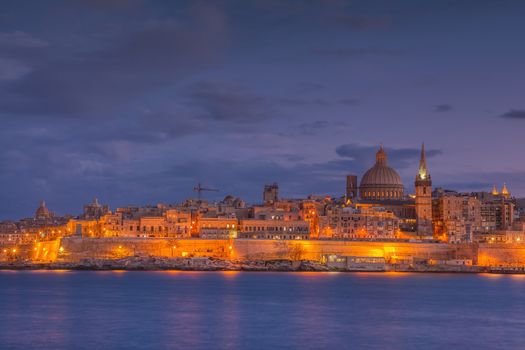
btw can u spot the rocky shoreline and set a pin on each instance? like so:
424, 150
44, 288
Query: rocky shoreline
214, 264
161, 263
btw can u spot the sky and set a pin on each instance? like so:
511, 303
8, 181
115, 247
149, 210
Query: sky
136, 101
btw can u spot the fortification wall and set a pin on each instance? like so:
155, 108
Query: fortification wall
313, 249
501, 254
38, 252
75, 249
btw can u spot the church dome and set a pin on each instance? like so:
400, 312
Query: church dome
381, 175
42, 212
381, 181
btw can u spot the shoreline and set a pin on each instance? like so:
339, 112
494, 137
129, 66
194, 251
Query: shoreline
214, 264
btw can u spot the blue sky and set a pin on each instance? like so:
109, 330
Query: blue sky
136, 101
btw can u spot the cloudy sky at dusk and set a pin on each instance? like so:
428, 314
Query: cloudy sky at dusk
136, 101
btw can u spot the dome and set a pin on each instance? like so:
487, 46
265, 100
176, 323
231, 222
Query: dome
381, 181
381, 175
42, 212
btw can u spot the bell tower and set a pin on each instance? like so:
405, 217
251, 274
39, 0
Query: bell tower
423, 198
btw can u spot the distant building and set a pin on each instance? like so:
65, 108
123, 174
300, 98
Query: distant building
42, 213
271, 193
95, 210
360, 223
456, 217
351, 187
274, 229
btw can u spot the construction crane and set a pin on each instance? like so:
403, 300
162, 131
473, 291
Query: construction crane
200, 189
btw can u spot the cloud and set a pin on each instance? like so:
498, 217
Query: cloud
313, 128
229, 103
122, 69
361, 22
443, 108
514, 114
351, 52
20, 40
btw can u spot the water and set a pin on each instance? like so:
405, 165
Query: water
228, 310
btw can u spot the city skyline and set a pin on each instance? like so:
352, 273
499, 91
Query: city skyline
237, 95
213, 195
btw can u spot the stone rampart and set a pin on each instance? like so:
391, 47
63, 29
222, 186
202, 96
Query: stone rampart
75, 249
501, 254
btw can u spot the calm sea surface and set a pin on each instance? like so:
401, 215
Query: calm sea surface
227, 310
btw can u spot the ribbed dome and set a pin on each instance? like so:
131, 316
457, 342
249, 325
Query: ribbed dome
381, 175
42, 212
381, 181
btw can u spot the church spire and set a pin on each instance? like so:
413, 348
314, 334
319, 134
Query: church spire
423, 171
505, 191
495, 191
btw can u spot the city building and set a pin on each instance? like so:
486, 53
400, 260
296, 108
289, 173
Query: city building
456, 217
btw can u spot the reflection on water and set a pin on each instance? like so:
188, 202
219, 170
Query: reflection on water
232, 310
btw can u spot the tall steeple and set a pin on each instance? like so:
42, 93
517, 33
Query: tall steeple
423, 200
423, 171
504, 191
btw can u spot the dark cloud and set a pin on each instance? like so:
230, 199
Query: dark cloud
317, 126
127, 66
229, 103
443, 108
361, 22
514, 114
310, 86
351, 52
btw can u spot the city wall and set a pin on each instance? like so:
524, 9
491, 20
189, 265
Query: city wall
498, 254
74, 249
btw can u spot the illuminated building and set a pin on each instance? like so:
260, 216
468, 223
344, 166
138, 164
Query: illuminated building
217, 227
456, 217
274, 229
95, 210
423, 185
361, 223
42, 213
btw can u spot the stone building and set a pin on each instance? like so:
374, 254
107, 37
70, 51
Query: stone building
356, 222
497, 209
274, 229
456, 217
95, 210
217, 227
271, 194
